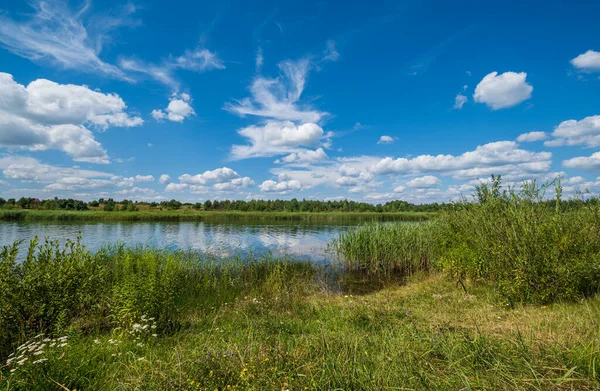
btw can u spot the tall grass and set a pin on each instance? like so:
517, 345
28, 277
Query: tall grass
530, 250
59, 288
386, 248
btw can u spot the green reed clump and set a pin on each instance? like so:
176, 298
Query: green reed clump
59, 288
381, 248
531, 251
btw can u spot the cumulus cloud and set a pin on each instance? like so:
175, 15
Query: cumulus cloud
275, 138
425, 181
164, 178
47, 115
587, 62
56, 33
491, 156
66, 180
234, 184
179, 109
386, 140
459, 101
304, 156
278, 98
532, 137
500, 91
223, 174
588, 163
399, 189
572, 132
224, 180
143, 178
282, 187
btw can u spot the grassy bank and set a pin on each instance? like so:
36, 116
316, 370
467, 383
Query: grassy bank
144, 319
192, 215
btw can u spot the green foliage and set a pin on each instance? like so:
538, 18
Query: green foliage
192, 215
386, 248
55, 289
531, 251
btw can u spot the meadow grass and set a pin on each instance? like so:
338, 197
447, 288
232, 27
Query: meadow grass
145, 319
193, 215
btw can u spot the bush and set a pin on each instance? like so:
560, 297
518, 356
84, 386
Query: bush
532, 250
55, 289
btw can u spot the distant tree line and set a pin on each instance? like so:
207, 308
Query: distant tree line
293, 205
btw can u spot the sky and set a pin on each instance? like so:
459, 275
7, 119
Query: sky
365, 100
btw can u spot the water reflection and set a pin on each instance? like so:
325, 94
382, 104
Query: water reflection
305, 241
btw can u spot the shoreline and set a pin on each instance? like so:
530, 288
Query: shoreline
52, 215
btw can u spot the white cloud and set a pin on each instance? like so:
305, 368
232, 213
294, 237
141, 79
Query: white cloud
587, 62
331, 53
572, 132
304, 156
386, 140
278, 98
460, 101
588, 163
283, 187
137, 192
199, 60
179, 109
66, 180
164, 178
425, 181
234, 184
47, 115
56, 33
223, 174
260, 59
532, 137
494, 154
275, 138
502, 91
399, 189
144, 178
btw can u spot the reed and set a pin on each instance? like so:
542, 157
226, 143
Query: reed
388, 248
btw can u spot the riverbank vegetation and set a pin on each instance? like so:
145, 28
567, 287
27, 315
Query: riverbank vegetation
263, 206
499, 293
529, 250
193, 215
133, 319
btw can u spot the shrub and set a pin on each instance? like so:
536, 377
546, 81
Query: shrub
532, 250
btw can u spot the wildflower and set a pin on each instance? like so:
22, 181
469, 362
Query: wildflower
38, 352
12, 370
40, 361
62, 345
155, 335
96, 341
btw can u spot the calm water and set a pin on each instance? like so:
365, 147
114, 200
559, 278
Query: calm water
305, 241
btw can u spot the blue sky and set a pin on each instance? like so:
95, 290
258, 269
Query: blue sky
373, 102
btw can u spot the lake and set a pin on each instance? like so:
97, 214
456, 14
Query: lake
301, 240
